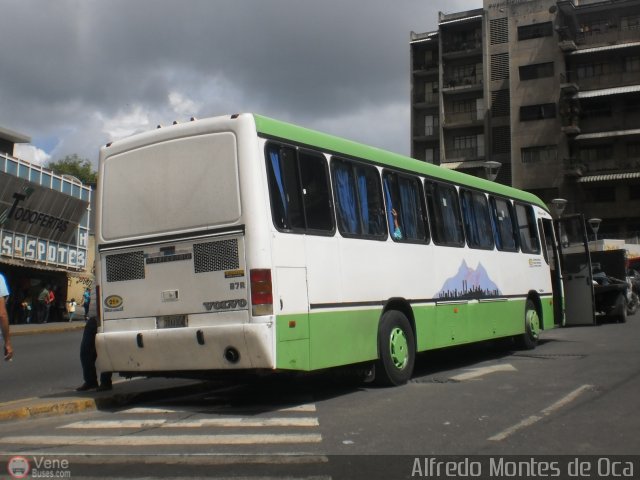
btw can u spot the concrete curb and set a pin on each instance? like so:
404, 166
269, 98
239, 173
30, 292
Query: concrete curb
42, 407
43, 328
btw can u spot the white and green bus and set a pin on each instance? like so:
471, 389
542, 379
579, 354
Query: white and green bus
245, 244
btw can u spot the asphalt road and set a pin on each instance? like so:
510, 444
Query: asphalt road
43, 364
577, 394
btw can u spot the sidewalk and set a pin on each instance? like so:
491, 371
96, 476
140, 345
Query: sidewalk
51, 327
125, 391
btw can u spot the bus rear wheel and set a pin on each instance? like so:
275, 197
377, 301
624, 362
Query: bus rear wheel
396, 350
529, 339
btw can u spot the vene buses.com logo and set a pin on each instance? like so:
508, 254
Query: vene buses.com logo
18, 467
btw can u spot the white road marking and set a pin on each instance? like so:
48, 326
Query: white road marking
205, 422
544, 413
479, 372
309, 407
150, 440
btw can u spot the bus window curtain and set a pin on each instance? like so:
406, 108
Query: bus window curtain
364, 201
346, 200
409, 210
387, 197
274, 157
447, 206
496, 233
481, 214
470, 219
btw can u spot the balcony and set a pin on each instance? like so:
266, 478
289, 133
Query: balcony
455, 84
456, 49
463, 154
606, 36
460, 119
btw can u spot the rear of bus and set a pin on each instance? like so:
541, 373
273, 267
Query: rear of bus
176, 297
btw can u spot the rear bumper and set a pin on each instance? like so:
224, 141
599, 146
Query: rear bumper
190, 348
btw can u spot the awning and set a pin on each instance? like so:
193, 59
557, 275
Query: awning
463, 165
609, 177
605, 48
612, 133
16, 262
608, 91
458, 20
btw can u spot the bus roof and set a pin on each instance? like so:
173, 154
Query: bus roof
304, 136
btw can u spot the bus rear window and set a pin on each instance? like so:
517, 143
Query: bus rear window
170, 186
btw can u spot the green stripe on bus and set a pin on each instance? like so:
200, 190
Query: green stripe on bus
329, 339
275, 128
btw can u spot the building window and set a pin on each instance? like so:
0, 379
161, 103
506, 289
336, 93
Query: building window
601, 195
463, 106
500, 66
633, 150
632, 22
596, 108
588, 70
499, 30
634, 192
537, 112
545, 153
500, 103
464, 142
632, 64
537, 70
537, 30
596, 153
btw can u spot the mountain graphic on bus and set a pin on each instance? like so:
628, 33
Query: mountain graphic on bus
469, 284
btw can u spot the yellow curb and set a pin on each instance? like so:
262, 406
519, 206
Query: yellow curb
49, 408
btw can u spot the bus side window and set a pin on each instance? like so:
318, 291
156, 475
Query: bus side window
527, 227
316, 192
403, 194
284, 188
503, 225
358, 199
475, 213
442, 203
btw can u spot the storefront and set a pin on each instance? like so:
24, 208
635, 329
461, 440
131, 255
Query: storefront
44, 236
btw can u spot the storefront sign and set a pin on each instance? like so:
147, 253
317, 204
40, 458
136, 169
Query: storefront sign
37, 211
16, 245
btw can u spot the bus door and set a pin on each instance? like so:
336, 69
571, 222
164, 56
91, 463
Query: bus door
577, 278
552, 255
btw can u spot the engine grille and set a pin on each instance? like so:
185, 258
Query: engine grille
215, 256
125, 266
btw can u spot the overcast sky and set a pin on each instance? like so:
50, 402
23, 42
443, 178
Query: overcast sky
76, 74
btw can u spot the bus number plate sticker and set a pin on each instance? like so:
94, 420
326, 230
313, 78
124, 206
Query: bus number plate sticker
170, 296
171, 321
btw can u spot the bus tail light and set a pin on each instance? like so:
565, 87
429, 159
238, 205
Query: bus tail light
261, 292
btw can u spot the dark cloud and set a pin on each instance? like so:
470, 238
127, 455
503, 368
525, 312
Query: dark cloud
81, 70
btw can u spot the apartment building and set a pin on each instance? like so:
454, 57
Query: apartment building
549, 89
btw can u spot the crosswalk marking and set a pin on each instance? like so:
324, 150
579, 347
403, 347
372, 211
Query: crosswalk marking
307, 407
155, 440
205, 422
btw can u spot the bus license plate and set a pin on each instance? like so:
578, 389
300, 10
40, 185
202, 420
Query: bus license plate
171, 321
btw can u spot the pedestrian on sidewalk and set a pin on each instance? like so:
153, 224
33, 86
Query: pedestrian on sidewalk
71, 308
88, 356
86, 301
4, 319
41, 305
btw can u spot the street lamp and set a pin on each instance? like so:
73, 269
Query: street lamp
594, 223
559, 204
491, 169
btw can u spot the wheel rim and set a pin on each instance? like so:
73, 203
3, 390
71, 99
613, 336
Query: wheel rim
398, 348
533, 323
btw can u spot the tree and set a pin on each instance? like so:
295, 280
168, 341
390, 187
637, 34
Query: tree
80, 168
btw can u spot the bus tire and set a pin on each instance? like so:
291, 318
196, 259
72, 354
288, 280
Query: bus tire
396, 350
529, 339
621, 306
